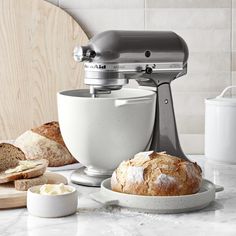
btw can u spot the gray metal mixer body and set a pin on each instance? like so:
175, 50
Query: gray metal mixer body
153, 59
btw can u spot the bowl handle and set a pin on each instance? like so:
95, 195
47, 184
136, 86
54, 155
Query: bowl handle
225, 90
132, 101
101, 198
218, 188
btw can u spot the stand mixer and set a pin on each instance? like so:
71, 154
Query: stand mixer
154, 59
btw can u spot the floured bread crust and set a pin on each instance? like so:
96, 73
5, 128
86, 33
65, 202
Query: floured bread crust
157, 174
50, 130
45, 142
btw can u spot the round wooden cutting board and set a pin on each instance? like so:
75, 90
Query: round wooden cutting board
11, 198
36, 45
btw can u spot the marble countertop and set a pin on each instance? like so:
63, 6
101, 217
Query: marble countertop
92, 218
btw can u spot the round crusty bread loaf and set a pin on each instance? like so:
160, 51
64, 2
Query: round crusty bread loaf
156, 174
9, 156
45, 142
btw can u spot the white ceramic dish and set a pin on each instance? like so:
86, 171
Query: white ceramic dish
158, 204
51, 205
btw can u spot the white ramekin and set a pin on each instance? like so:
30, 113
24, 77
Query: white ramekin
51, 205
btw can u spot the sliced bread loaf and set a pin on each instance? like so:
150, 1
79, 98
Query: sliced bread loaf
25, 184
26, 174
45, 142
9, 156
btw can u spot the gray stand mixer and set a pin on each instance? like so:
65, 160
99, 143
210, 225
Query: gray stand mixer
153, 59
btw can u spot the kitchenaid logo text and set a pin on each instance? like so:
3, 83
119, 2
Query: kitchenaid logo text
96, 66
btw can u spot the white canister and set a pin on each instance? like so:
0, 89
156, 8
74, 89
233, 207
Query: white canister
220, 128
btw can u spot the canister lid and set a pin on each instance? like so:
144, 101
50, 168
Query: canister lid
221, 100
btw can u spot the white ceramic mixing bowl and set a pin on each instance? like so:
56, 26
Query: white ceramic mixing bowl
103, 131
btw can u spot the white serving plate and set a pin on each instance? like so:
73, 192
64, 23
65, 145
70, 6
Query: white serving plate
158, 204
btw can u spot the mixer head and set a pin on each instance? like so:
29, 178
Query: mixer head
113, 57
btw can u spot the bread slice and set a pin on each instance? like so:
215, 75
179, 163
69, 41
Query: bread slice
30, 173
9, 156
25, 184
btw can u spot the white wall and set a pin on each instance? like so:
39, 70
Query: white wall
208, 26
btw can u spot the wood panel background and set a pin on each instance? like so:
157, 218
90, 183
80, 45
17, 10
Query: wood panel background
36, 45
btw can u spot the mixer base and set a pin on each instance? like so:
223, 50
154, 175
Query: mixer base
80, 177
